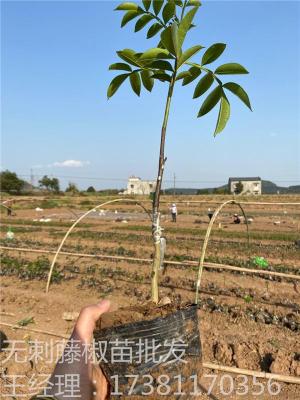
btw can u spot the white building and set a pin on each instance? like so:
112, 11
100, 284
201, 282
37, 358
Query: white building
250, 185
137, 186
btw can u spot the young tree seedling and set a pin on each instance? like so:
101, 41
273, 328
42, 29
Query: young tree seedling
171, 62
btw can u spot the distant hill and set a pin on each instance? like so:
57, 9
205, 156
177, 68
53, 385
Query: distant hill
181, 191
294, 189
268, 187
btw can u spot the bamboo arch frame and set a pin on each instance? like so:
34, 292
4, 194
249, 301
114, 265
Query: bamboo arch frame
77, 221
205, 243
6, 207
3, 205
35, 200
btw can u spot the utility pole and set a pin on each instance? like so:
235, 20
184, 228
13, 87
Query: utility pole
31, 178
174, 185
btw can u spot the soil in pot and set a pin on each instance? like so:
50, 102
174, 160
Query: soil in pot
147, 351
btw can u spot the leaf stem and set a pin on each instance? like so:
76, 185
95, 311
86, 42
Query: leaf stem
183, 9
198, 66
157, 18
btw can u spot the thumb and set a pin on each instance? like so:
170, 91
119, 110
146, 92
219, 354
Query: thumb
87, 319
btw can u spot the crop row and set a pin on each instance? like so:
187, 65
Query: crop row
39, 268
196, 233
120, 250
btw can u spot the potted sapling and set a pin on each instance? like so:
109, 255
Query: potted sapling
172, 330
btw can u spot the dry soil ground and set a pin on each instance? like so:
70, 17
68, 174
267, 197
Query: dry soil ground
246, 321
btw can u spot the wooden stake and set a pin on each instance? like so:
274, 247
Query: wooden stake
25, 328
258, 374
207, 265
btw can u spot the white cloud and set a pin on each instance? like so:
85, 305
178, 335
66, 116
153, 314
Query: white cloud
70, 164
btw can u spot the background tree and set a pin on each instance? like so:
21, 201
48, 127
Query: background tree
239, 187
45, 182
9, 182
220, 190
55, 185
72, 188
202, 191
51, 184
91, 189
169, 62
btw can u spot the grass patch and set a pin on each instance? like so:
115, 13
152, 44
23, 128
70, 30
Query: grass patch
112, 236
19, 229
282, 236
13, 222
28, 270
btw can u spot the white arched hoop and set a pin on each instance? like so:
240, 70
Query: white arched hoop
77, 221
205, 243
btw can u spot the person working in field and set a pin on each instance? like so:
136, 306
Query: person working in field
8, 205
210, 213
236, 219
174, 212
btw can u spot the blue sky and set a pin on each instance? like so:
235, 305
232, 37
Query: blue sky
55, 58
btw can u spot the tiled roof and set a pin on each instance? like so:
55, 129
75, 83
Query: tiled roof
256, 178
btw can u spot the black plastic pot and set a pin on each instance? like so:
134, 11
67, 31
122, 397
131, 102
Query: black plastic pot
181, 364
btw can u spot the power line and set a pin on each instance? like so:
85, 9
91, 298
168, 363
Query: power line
174, 186
174, 180
31, 178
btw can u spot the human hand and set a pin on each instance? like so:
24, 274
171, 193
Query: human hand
83, 331
93, 384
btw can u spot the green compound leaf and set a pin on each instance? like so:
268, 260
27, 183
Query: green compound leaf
162, 76
182, 75
126, 6
195, 3
135, 82
153, 30
212, 99
224, 114
239, 92
128, 17
194, 73
120, 66
231, 68
169, 38
185, 25
212, 53
188, 54
155, 52
157, 5
161, 64
147, 79
115, 84
143, 21
129, 56
203, 85
147, 4
168, 11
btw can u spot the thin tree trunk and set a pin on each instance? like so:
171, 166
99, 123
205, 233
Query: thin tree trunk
156, 199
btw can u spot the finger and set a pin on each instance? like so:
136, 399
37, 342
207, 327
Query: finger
87, 319
100, 384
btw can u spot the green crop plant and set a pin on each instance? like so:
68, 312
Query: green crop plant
28, 269
26, 321
171, 62
248, 298
260, 262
